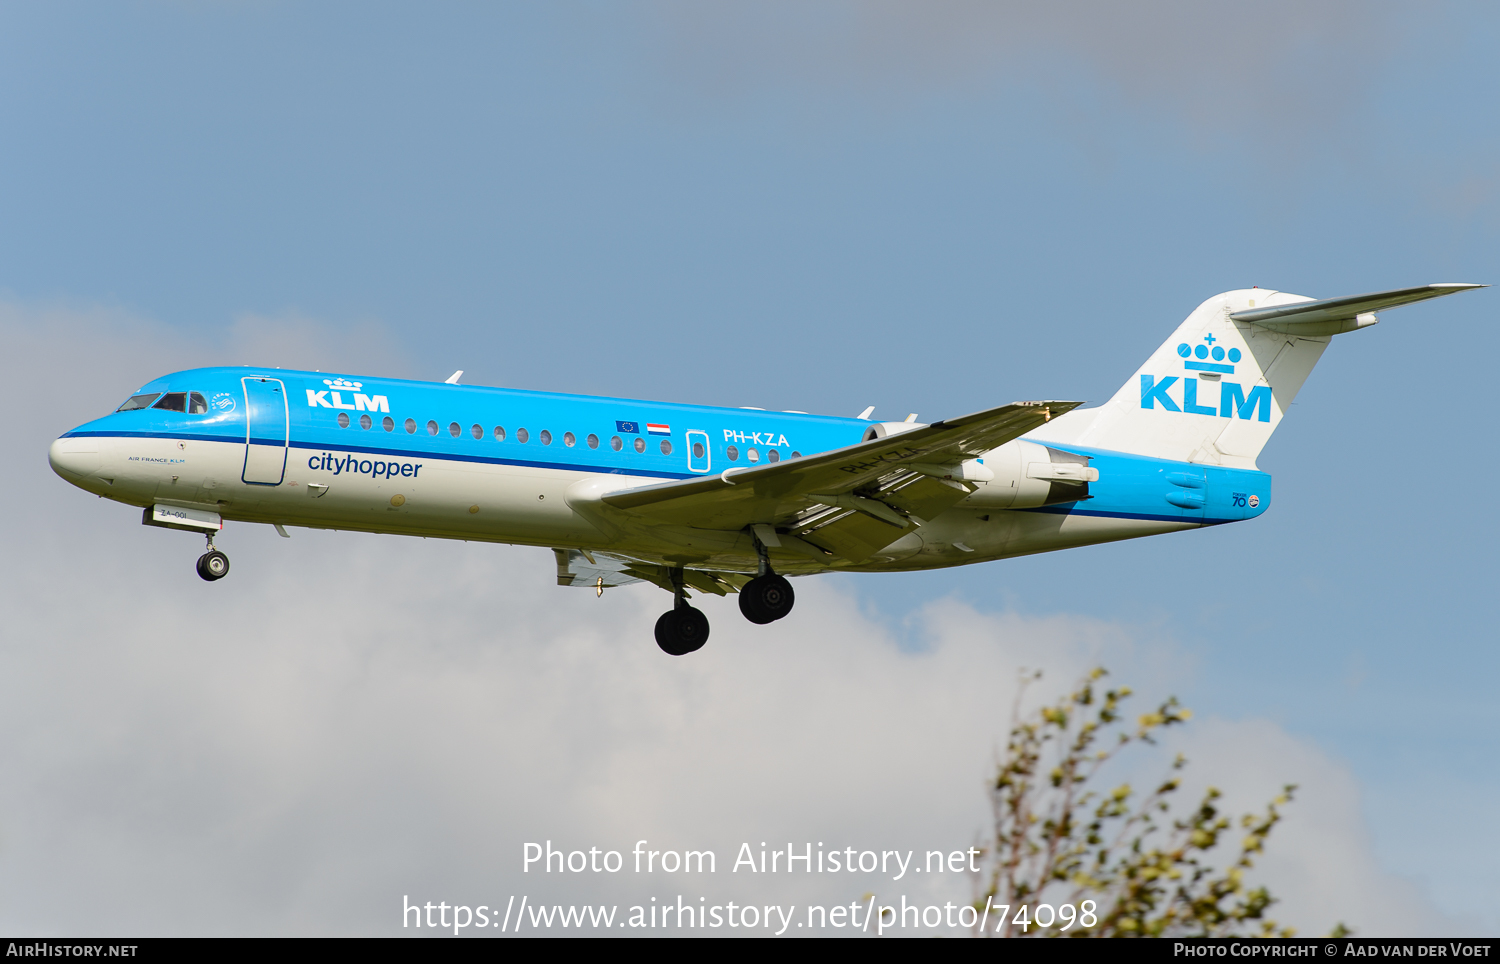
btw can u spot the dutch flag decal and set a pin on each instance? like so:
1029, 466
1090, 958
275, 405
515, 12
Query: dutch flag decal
653, 428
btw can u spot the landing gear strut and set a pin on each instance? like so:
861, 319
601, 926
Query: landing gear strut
681, 629
768, 597
213, 565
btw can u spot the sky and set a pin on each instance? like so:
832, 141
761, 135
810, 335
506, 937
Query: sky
927, 208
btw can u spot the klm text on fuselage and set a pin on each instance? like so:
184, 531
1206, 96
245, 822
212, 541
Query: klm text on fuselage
362, 402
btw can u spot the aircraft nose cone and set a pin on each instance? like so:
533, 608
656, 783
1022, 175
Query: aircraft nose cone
74, 458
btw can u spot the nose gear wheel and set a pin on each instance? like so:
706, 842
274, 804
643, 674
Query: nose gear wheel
213, 565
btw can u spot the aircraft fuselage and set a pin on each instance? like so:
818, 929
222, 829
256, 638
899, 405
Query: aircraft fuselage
497, 465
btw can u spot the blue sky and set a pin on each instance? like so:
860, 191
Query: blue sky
929, 208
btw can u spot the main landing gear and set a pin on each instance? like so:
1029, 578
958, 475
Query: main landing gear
681, 629
768, 597
213, 565
764, 599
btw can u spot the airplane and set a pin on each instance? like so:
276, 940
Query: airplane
723, 500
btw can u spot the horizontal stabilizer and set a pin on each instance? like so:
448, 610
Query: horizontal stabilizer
1332, 316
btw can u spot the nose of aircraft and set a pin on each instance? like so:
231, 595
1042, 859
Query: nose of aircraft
74, 458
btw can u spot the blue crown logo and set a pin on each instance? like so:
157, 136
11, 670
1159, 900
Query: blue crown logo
1197, 356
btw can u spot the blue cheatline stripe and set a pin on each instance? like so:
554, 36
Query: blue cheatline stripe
233, 439
594, 469
1067, 509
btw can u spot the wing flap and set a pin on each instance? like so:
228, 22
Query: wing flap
718, 583
851, 535
896, 508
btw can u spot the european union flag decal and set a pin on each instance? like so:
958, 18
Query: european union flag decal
628, 428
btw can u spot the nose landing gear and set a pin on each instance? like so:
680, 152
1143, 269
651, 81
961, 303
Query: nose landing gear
213, 565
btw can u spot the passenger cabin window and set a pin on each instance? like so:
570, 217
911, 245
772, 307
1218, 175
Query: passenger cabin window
172, 402
773, 456
388, 423
432, 427
522, 435
364, 422
615, 443
733, 453
343, 419
138, 401
666, 447
477, 431
593, 440
569, 439
411, 426
197, 404
499, 433
454, 430
640, 444
546, 437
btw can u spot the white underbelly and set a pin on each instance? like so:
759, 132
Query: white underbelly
482, 501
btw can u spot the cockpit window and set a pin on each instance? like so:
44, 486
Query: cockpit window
138, 401
172, 402
197, 404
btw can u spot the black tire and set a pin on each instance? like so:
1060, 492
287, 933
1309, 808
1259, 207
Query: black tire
213, 566
767, 598
681, 631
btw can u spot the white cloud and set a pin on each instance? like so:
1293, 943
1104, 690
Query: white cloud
348, 719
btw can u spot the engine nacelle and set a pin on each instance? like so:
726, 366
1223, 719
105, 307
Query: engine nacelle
887, 429
1028, 474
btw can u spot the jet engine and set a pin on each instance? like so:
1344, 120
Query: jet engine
1028, 474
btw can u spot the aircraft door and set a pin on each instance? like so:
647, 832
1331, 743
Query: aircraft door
699, 456
266, 434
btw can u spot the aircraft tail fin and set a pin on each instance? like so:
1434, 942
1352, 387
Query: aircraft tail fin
1216, 390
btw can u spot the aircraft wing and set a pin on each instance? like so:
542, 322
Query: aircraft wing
848, 502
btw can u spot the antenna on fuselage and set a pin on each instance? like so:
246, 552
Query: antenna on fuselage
453, 379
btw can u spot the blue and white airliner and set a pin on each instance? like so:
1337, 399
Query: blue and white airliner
722, 500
